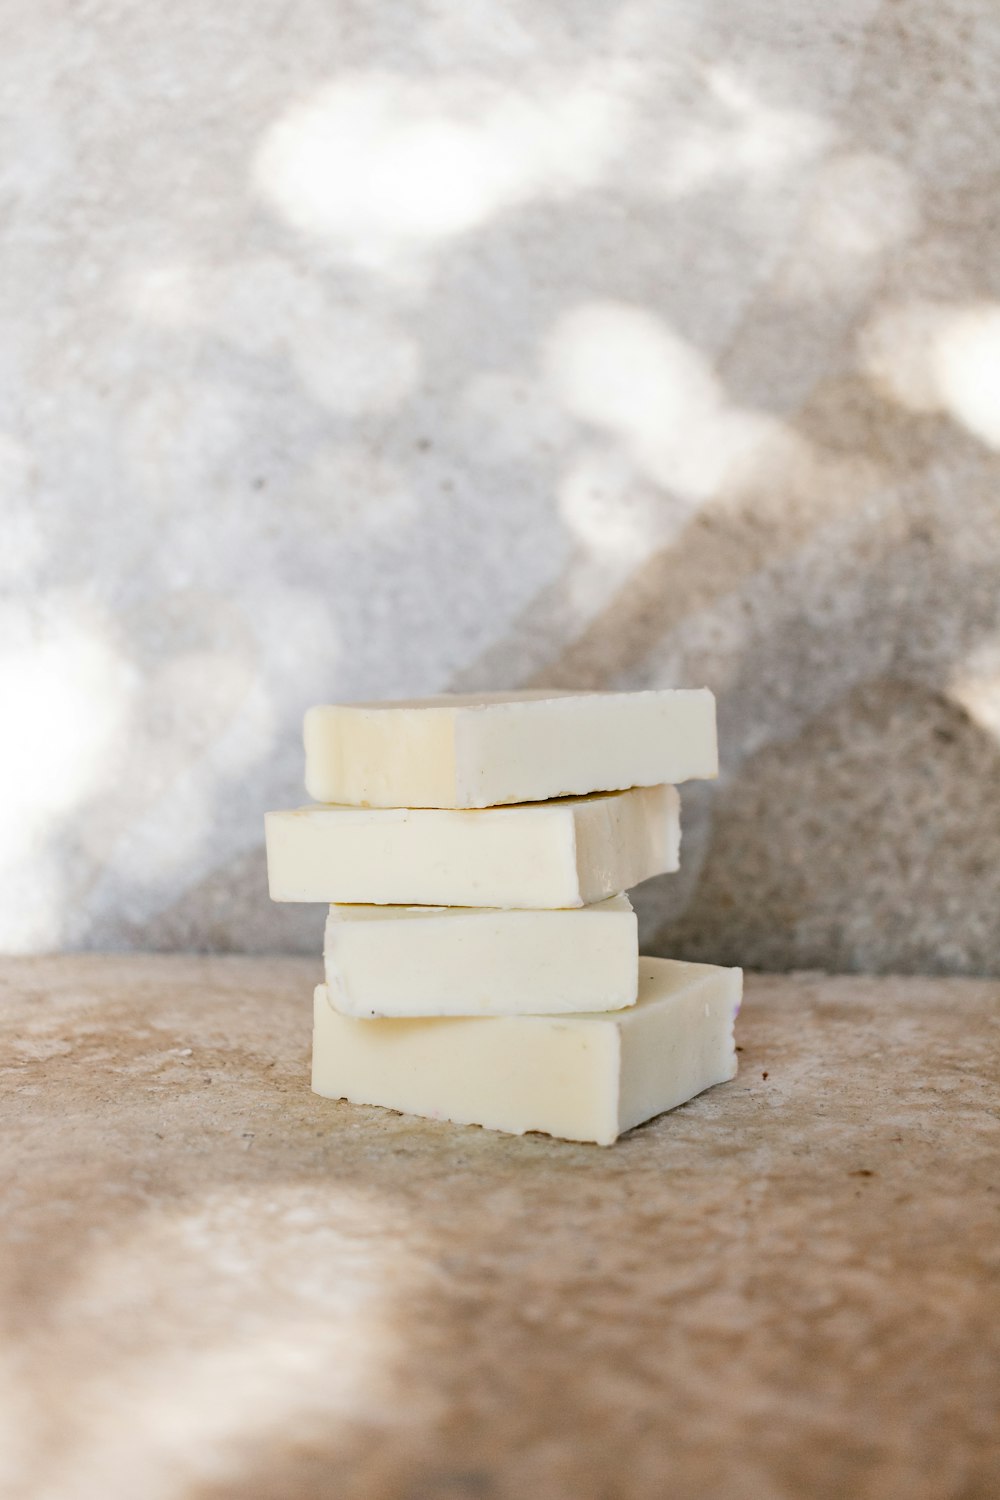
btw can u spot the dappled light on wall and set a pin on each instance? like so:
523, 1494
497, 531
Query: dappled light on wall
620, 369
936, 356
349, 358
378, 163
974, 684
66, 692
737, 136
480, 348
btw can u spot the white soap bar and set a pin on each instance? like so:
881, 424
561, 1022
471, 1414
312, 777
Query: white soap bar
475, 961
506, 747
580, 1077
566, 853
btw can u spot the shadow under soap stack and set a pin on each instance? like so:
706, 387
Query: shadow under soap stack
481, 957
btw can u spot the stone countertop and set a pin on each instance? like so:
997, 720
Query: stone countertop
217, 1286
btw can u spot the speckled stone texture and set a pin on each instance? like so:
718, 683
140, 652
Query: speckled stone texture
214, 1285
354, 350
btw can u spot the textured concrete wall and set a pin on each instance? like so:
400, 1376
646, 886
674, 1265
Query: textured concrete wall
357, 350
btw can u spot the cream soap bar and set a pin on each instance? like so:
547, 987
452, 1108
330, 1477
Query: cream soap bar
579, 1077
507, 747
471, 961
565, 853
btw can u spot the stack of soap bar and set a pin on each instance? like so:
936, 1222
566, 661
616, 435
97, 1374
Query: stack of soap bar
481, 956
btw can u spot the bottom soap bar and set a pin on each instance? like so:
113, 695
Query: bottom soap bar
579, 1077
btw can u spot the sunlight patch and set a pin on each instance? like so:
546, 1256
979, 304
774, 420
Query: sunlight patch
377, 163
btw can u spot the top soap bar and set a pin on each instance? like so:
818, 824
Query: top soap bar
484, 751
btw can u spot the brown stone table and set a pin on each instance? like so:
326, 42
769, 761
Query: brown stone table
215, 1285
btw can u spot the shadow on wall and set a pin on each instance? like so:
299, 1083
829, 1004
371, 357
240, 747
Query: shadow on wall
863, 842
854, 805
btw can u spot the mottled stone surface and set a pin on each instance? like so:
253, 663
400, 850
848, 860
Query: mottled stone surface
216, 1285
357, 349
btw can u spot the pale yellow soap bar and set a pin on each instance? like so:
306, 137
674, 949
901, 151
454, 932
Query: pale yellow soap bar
474, 961
465, 751
578, 1077
565, 853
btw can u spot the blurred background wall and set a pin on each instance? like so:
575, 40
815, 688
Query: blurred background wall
357, 349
